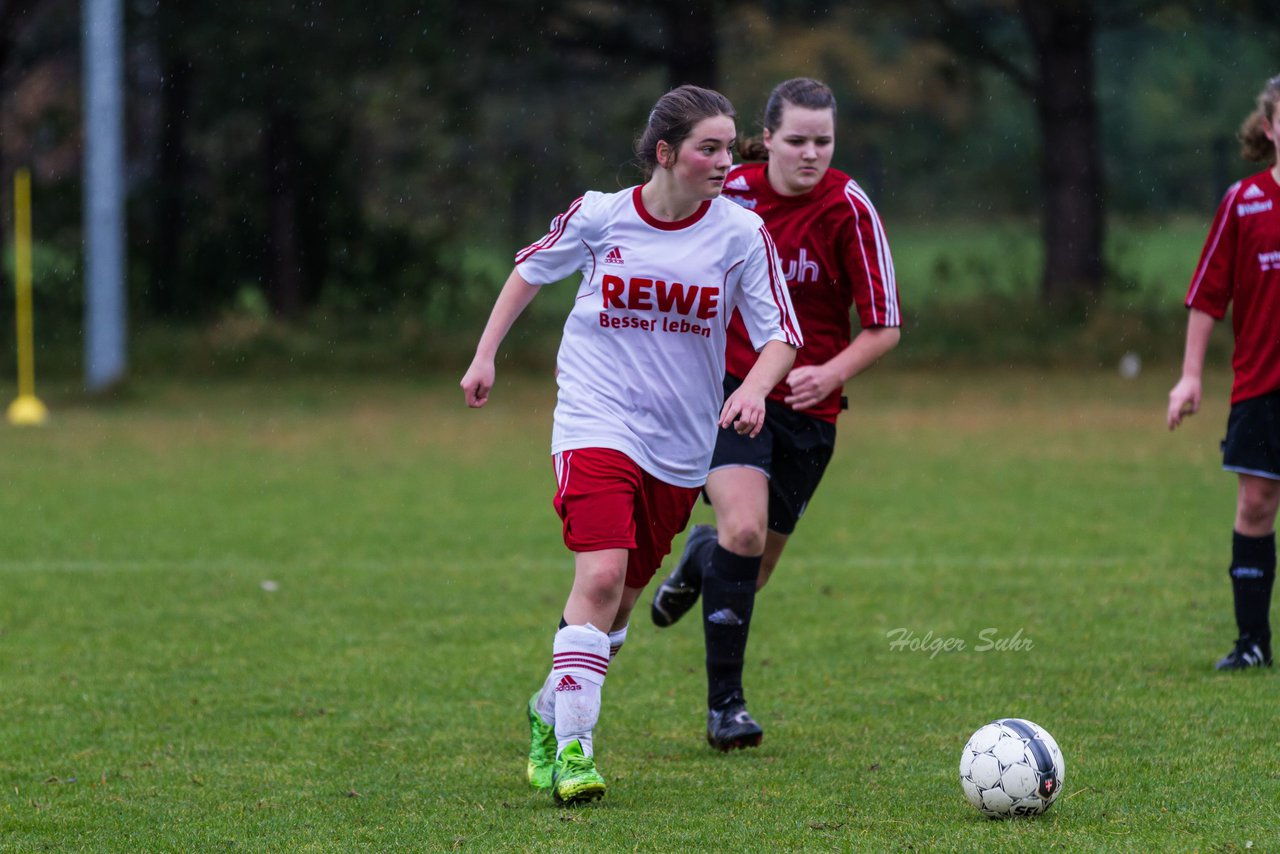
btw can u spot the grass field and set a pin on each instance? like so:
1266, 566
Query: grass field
304, 616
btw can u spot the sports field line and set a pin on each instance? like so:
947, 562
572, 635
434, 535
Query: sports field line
267, 566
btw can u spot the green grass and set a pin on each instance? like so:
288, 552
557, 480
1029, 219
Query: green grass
155, 695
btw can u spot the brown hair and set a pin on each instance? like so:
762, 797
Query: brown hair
672, 120
798, 91
1254, 145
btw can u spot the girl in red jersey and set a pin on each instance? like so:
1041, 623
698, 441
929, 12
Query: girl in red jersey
639, 375
1240, 266
836, 258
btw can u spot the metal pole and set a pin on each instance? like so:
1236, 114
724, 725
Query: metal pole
104, 223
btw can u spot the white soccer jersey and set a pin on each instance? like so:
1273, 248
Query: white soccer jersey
642, 357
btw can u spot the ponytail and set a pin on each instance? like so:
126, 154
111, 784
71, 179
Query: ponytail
751, 149
1254, 144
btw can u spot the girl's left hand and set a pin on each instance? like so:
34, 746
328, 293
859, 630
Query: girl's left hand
744, 411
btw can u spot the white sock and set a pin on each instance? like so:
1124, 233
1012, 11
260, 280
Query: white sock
616, 640
545, 705
580, 661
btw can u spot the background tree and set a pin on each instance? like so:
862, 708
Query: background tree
1046, 48
38, 109
333, 159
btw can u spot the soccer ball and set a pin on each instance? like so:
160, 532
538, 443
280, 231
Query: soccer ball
1011, 767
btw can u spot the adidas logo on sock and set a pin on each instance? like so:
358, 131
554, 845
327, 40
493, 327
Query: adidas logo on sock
567, 684
724, 617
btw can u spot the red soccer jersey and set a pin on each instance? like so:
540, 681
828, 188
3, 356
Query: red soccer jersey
1240, 264
835, 255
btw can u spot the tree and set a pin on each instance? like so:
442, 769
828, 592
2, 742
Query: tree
8, 32
1062, 33
252, 178
37, 63
677, 35
1052, 61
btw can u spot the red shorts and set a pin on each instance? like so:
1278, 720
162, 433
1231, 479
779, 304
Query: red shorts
606, 501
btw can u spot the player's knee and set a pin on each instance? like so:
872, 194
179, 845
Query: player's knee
743, 537
605, 579
1256, 507
1254, 515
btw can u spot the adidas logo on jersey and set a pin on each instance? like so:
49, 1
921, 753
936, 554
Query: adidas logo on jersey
613, 256
567, 683
738, 183
1254, 192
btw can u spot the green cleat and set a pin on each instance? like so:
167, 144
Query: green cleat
576, 780
542, 747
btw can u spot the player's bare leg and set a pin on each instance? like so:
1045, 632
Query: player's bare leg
740, 496
598, 581
773, 546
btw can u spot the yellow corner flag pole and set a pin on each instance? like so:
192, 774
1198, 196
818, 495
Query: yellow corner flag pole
27, 408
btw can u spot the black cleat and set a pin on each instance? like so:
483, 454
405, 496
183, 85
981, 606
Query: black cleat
679, 591
731, 727
1247, 653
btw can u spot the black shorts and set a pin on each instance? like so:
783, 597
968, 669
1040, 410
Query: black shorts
792, 450
1252, 445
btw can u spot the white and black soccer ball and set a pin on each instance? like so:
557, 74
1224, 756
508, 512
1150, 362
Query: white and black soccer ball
1011, 767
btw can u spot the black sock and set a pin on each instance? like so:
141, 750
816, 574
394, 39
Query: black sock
699, 558
728, 596
1253, 572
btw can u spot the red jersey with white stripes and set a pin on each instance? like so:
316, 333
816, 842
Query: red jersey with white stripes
835, 256
641, 361
1240, 265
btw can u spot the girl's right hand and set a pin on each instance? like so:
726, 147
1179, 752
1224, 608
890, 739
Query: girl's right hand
1184, 400
478, 382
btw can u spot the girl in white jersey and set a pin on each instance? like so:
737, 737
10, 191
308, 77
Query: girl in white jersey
639, 369
1240, 267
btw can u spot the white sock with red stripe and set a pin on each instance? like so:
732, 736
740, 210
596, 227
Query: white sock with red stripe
579, 663
616, 640
546, 702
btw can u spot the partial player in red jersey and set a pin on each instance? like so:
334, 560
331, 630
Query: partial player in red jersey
836, 258
1240, 267
639, 375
